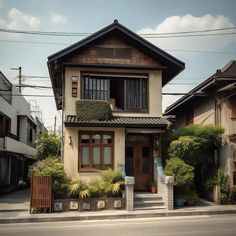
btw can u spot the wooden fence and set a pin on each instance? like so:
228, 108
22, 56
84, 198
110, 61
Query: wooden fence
41, 192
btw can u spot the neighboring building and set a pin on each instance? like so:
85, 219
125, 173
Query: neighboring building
17, 130
116, 65
213, 102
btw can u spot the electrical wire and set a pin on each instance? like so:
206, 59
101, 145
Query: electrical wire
54, 33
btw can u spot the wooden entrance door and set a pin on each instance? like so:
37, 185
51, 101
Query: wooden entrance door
138, 162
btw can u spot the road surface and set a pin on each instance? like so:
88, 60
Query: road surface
222, 225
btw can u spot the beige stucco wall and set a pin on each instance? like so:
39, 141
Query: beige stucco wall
204, 113
71, 151
154, 88
226, 122
228, 149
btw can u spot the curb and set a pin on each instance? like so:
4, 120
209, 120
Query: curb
107, 217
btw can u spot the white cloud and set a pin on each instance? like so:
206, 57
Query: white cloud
1, 2
191, 23
58, 18
21, 20
18, 20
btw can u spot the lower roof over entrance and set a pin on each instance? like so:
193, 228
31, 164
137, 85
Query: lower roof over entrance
128, 122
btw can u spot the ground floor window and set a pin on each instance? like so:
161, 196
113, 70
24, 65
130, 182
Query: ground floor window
96, 150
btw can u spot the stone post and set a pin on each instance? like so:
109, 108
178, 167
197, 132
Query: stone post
169, 181
129, 193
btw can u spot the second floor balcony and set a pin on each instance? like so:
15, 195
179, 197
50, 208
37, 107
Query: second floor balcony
11, 143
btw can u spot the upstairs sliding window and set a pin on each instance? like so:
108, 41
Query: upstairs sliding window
123, 92
136, 94
96, 88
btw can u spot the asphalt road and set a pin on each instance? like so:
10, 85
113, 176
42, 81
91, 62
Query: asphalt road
223, 225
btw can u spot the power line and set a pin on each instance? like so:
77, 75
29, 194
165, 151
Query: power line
32, 86
192, 35
191, 32
26, 95
33, 42
38, 95
35, 76
55, 33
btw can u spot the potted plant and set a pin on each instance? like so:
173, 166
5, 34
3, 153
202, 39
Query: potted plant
153, 186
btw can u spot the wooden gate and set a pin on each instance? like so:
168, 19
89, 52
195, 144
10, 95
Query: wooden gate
41, 192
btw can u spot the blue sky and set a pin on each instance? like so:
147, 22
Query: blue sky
141, 16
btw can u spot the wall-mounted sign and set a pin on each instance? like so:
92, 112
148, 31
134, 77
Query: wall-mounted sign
74, 92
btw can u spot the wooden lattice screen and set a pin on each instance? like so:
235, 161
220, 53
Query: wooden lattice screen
41, 192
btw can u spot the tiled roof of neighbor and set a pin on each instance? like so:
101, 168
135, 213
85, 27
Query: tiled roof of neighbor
73, 121
224, 76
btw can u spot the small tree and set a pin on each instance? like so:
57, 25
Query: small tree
182, 172
195, 143
183, 176
47, 145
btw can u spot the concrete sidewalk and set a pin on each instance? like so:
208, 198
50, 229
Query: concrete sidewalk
14, 208
15, 201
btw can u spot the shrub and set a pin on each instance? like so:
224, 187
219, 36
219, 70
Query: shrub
96, 188
51, 166
182, 172
110, 184
111, 176
222, 180
78, 189
113, 182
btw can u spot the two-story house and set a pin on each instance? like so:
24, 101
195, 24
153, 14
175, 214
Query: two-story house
213, 102
118, 66
17, 129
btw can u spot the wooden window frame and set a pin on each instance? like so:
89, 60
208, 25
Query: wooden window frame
114, 53
94, 88
140, 100
125, 78
91, 145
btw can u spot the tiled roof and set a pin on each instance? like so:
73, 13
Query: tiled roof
73, 121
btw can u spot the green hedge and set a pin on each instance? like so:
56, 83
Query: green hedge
93, 110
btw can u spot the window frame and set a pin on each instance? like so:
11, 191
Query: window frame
125, 78
91, 145
6, 125
102, 80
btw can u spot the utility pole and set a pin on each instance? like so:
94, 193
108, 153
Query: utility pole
19, 76
55, 124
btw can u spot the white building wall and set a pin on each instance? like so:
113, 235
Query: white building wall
19, 106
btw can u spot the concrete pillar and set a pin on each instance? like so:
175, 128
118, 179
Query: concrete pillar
129, 193
169, 181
